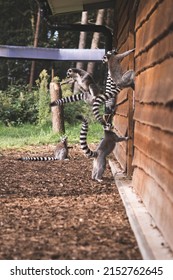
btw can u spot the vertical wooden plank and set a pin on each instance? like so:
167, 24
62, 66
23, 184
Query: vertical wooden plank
131, 43
126, 15
130, 134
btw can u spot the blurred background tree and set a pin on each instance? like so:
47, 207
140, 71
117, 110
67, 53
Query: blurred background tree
26, 27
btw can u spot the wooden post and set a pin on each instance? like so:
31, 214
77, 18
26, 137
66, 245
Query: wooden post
57, 111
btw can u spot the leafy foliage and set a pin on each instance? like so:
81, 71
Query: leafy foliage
18, 106
19, 30
44, 99
71, 110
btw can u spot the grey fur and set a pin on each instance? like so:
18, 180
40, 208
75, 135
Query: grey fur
116, 81
121, 79
60, 153
85, 82
105, 147
87, 86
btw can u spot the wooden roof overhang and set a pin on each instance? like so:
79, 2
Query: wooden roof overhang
50, 9
56, 7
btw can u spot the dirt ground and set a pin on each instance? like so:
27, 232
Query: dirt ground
53, 210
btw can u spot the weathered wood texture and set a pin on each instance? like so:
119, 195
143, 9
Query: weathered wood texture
150, 31
156, 201
153, 116
123, 120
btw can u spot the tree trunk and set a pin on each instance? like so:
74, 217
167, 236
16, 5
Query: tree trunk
82, 38
32, 70
57, 111
109, 18
96, 38
82, 44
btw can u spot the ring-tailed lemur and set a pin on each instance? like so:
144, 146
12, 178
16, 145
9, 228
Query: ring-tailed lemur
104, 148
113, 59
111, 92
116, 81
60, 153
87, 86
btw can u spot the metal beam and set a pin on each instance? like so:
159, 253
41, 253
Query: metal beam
21, 52
86, 28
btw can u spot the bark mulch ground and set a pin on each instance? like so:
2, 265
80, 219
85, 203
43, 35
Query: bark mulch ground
53, 210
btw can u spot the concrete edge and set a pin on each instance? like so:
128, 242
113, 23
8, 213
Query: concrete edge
150, 240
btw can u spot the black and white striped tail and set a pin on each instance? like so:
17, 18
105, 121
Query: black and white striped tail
38, 158
68, 99
83, 138
111, 91
111, 102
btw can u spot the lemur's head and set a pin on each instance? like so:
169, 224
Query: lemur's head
108, 127
64, 138
69, 73
74, 73
115, 56
108, 55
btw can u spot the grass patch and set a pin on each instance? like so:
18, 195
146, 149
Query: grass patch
24, 135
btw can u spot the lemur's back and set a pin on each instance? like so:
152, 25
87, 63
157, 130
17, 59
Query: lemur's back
107, 144
61, 151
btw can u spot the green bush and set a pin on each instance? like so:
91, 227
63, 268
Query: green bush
44, 98
71, 110
18, 105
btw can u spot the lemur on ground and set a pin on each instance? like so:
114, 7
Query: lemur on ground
60, 153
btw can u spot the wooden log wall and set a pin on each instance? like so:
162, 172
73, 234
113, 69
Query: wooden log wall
153, 116
123, 120
150, 31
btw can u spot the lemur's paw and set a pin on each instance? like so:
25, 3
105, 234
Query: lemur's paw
128, 137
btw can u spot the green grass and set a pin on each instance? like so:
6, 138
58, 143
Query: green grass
22, 136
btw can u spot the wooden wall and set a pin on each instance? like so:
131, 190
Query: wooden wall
153, 133
152, 157
123, 120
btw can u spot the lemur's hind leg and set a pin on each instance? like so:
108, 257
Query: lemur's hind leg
99, 166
